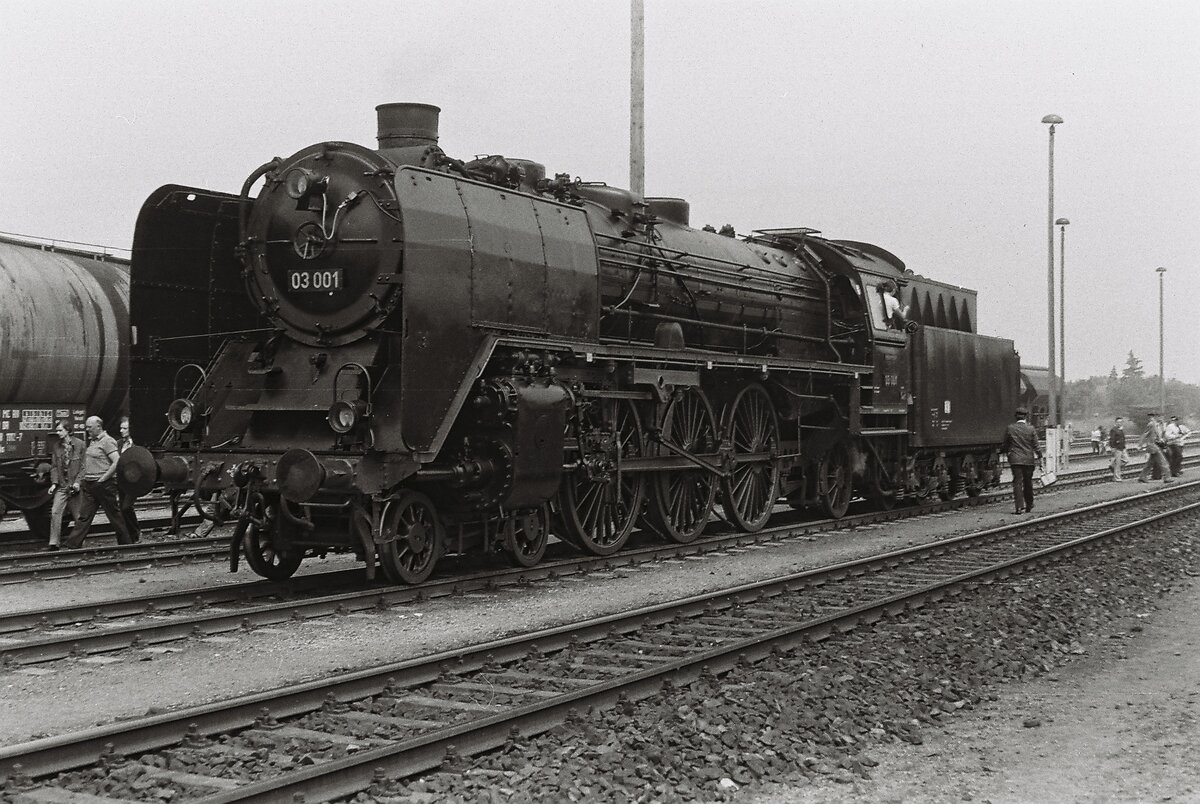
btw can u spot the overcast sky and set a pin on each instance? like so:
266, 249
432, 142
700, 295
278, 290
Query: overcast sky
913, 125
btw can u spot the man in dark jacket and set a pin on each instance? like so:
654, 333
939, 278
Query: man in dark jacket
1021, 444
1116, 442
66, 461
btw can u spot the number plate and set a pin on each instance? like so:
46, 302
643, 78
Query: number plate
323, 281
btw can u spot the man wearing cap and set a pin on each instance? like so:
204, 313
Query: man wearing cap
1175, 433
1024, 452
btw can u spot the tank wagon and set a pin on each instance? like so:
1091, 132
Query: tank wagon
424, 355
64, 353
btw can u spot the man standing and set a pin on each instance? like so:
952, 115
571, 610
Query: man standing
1175, 434
98, 486
1021, 444
1116, 442
1153, 442
131, 523
65, 463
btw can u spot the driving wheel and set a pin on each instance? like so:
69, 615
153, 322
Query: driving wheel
681, 500
749, 493
598, 503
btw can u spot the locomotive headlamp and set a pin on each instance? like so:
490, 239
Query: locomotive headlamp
344, 416
181, 414
301, 182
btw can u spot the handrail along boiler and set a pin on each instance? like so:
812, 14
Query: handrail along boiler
437, 356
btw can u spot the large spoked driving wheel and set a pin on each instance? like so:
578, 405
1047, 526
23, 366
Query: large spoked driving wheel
413, 539
748, 495
526, 536
681, 500
598, 504
835, 481
263, 552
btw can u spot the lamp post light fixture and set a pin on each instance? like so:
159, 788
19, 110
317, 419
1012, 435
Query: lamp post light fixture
1052, 414
1162, 379
1062, 224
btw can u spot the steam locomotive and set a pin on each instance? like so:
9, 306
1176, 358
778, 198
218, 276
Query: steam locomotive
401, 354
64, 355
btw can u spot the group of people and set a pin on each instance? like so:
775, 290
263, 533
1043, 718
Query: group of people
83, 481
1161, 440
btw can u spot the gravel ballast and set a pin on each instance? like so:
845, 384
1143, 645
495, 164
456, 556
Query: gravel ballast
815, 716
75, 694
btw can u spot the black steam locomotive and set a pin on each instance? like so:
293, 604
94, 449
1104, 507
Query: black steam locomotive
444, 356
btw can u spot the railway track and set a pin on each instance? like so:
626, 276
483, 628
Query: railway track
406, 718
14, 534
171, 551
51, 634
155, 549
152, 522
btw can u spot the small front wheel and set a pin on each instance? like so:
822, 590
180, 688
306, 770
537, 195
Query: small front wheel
261, 546
413, 539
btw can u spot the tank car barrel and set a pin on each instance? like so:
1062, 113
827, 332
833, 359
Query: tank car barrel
65, 319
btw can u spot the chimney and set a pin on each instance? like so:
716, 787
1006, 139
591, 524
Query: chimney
402, 125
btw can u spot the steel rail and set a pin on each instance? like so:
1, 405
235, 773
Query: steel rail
423, 752
158, 521
104, 558
197, 620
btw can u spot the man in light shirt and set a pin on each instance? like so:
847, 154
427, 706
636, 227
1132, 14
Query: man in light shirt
99, 486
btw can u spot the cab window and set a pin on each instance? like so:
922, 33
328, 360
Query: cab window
875, 304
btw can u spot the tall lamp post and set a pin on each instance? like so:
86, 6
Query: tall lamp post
1052, 414
1162, 379
1062, 224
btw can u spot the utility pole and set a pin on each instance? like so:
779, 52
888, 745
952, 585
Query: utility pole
637, 100
1052, 419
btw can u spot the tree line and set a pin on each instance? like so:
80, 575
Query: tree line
1126, 393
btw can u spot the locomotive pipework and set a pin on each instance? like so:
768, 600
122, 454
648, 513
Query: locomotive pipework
429, 347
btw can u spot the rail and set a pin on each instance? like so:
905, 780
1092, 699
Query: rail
537, 681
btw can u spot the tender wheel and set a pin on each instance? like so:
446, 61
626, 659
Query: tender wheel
681, 500
835, 481
413, 537
259, 546
598, 504
526, 536
749, 494
970, 476
949, 489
